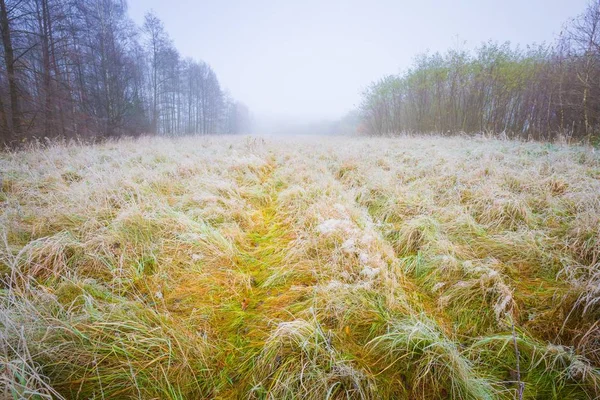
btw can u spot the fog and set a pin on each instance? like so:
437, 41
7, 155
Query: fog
305, 63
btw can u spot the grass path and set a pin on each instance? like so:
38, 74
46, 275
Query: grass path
255, 293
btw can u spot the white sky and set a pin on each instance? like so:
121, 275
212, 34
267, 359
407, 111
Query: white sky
310, 59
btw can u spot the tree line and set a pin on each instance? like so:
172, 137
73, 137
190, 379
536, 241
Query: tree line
83, 69
540, 92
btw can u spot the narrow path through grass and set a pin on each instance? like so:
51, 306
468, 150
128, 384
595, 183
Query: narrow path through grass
255, 293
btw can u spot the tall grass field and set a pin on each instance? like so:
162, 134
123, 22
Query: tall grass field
300, 268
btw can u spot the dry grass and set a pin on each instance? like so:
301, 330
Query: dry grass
312, 268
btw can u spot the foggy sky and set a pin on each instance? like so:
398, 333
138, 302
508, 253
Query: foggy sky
310, 59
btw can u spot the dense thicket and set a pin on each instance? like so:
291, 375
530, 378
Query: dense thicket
538, 92
81, 68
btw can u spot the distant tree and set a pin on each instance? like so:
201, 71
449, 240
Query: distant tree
538, 92
237, 117
81, 68
157, 42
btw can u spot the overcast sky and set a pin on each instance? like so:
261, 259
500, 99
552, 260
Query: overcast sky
310, 59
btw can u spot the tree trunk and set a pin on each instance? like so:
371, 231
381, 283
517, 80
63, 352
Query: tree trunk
9, 57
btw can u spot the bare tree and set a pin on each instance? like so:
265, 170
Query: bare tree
82, 68
538, 93
9, 61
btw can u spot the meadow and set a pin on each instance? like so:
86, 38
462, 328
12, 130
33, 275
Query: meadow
300, 267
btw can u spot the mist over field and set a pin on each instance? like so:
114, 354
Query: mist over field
310, 60
299, 200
